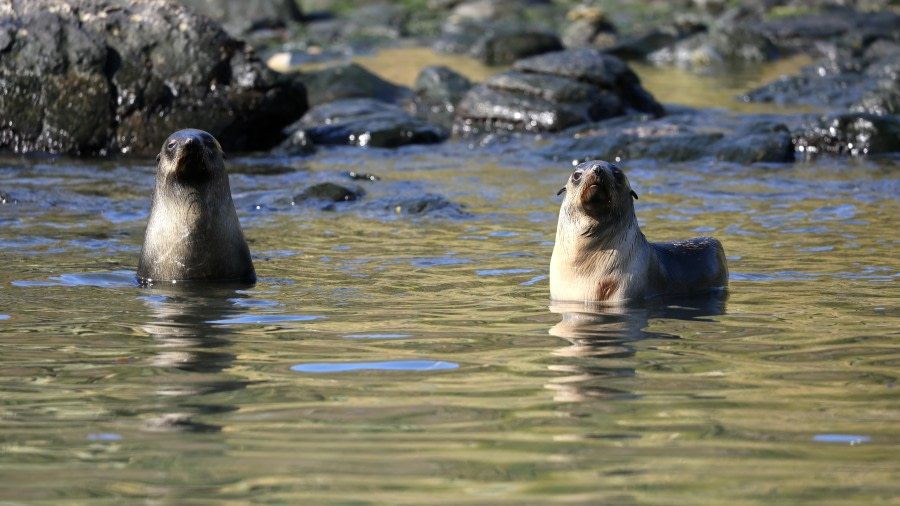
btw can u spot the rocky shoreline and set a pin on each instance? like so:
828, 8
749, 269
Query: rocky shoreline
102, 77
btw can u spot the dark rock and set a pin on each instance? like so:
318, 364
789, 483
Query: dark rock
730, 39
350, 81
439, 86
550, 92
851, 133
690, 135
4, 198
503, 47
362, 176
586, 26
638, 46
91, 77
328, 193
804, 32
858, 79
765, 142
241, 16
428, 203
296, 144
367, 123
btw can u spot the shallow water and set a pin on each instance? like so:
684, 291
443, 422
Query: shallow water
384, 358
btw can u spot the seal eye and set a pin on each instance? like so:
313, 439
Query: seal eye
576, 175
171, 145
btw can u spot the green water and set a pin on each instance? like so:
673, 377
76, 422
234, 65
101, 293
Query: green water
389, 359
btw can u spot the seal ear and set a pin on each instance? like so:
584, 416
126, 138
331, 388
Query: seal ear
634, 195
157, 157
561, 190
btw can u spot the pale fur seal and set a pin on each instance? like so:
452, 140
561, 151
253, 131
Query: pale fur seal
193, 232
601, 255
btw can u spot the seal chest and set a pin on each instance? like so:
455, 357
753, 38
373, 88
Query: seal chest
601, 255
193, 232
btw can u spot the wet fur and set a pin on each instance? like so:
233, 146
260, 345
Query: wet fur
193, 232
601, 255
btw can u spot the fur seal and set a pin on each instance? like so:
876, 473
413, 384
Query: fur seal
601, 255
193, 232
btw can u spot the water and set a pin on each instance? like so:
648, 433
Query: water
383, 358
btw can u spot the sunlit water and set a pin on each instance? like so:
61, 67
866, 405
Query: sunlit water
383, 358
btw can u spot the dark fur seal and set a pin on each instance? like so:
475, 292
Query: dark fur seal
601, 255
193, 232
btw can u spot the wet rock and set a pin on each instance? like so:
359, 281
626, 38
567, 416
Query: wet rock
5, 198
862, 79
440, 86
495, 43
804, 32
728, 40
638, 46
766, 142
324, 195
362, 176
366, 122
587, 26
851, 134
550, 92
350, 81
242, 16
297, 143
684, 136
438, 90
92, 77
426, 204
503, 47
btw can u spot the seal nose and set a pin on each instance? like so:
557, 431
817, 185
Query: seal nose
596, 169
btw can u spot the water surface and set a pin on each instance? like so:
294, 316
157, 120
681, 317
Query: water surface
384, 358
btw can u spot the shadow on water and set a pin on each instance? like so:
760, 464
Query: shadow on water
182, 320
603, 333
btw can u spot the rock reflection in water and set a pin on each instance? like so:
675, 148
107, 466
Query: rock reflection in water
602, 332
182, 322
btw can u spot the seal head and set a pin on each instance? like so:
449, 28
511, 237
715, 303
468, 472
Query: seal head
193, 232
601, 255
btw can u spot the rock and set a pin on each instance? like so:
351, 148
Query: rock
326, 194
438, 90
428, 203
442, 86
766, 142
366, 122
862, 79
241, 16
496, 43
503, 47
93, 77
638, 46
296, 144
550, 92
730, 39
586, 26
850, 133
685, 136
350, 81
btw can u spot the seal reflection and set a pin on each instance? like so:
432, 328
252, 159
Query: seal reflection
599, 334
192, 349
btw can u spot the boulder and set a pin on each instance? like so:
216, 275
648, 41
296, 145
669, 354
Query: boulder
553, 91
350, 81
853, 134
94, 77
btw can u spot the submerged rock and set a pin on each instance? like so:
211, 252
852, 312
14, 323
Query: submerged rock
426, 204
92, 77
325, 195
550, 92
365, 122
